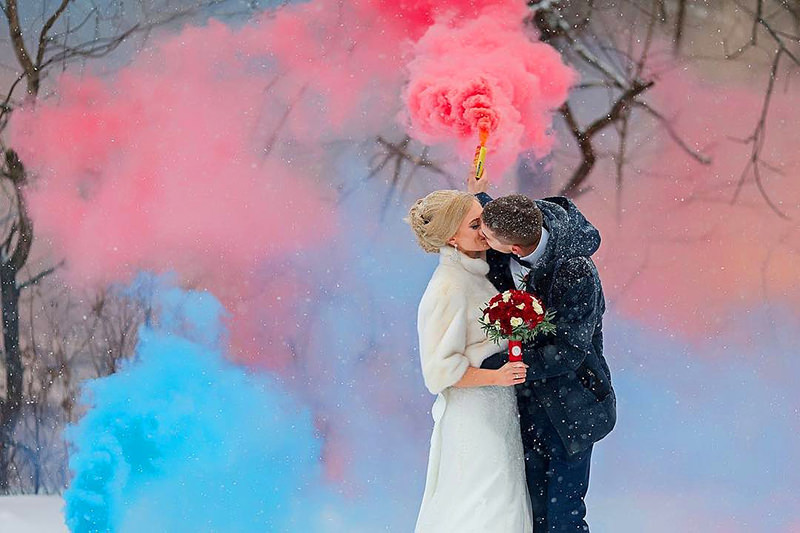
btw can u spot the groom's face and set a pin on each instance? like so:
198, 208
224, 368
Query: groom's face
494, 242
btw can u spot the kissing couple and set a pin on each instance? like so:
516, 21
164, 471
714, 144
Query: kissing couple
512, 441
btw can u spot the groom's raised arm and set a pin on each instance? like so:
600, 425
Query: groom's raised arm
483, 198
578, 305
478, 188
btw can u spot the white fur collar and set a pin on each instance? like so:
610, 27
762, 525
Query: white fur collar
450, 256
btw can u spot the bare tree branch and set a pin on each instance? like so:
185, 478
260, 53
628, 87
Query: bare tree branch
43, 37
680, 22
40, 276
18, 42
756, 141
584, 136
667, 124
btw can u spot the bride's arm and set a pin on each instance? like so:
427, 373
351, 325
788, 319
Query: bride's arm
478, 377
442, 327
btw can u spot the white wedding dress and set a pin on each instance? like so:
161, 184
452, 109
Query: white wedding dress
476, 474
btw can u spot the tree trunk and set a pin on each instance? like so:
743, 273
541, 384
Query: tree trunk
15, 254
10, 408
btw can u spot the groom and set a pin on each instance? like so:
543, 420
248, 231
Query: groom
567, 403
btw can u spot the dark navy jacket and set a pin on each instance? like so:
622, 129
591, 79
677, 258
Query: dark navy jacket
568, 386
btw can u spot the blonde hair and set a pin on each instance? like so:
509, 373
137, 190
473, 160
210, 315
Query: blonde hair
437, 217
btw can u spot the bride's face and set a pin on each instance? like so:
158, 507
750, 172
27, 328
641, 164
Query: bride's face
469, 238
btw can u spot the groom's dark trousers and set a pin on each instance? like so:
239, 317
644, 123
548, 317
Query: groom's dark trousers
557, 481
567, 479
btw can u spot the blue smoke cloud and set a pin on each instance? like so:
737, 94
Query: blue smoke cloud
182, 440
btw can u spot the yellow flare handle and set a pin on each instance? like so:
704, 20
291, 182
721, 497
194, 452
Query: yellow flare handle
480, 161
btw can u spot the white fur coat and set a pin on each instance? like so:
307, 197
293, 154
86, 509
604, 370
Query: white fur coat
450, 336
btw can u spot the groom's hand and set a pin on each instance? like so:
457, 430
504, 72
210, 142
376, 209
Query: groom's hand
477, 186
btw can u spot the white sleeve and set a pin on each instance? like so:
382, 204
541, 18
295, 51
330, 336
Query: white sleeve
442, 328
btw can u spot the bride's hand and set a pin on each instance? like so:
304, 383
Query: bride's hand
511, 374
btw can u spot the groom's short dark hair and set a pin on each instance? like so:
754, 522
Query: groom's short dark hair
514, 219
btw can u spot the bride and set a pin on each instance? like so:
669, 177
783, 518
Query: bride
476, 473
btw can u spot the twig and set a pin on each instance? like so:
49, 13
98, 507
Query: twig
695, 154
40, 276
757, 140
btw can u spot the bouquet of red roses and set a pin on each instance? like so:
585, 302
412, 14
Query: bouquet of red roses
517, 316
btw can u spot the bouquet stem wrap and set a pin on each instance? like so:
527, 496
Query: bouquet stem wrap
514, 351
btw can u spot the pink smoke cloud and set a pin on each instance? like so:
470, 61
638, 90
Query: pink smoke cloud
486, 73
348, 58
417, 16
164, 169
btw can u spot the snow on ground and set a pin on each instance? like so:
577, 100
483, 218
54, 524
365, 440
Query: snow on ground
31, 514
